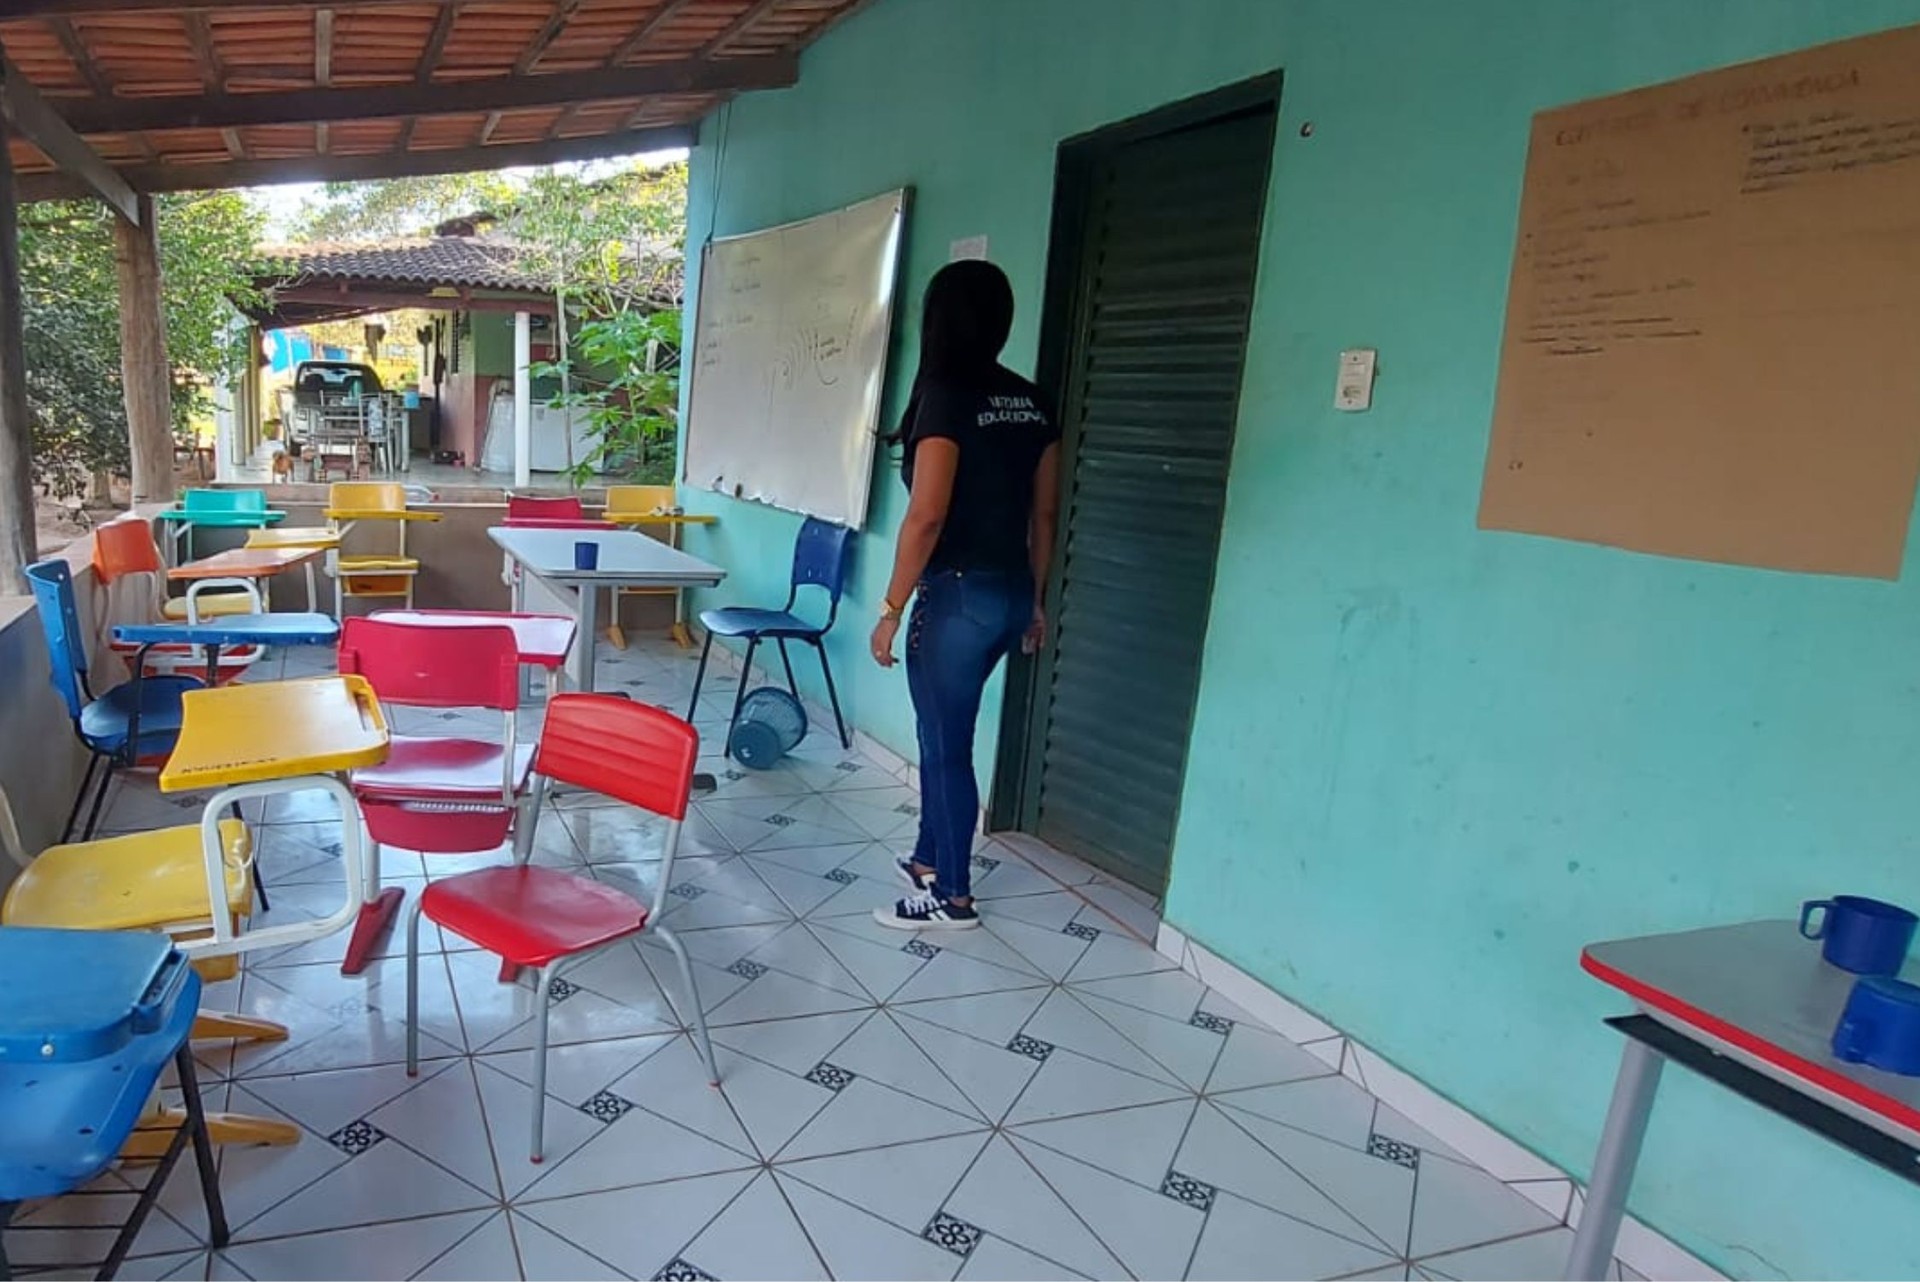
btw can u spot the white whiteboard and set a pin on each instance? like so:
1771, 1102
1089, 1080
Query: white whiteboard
789, 350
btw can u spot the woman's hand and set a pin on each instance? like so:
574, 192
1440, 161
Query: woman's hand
882, 643
1036, 631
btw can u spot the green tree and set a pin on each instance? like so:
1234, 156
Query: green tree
391, 207
610, 249
73, 322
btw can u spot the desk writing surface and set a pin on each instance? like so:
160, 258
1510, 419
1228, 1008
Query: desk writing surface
294, 536
1764, 989
625, 557
245, 563
236, 629
255, 731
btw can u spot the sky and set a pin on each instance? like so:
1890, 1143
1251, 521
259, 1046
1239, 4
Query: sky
283, 202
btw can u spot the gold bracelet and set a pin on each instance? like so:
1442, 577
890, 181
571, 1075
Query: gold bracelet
888, 610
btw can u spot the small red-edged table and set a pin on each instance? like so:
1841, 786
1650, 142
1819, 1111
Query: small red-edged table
1753, 1008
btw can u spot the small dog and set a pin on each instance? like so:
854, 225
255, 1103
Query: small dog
282, 466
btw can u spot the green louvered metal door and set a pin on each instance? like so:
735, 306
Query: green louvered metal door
1150, 391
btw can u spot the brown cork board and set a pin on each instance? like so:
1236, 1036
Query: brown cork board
1712, 343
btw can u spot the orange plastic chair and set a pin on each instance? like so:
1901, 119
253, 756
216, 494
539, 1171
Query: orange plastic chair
131, 578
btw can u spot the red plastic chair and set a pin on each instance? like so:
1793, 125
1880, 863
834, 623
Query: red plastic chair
444, 796
551, 512
545, 919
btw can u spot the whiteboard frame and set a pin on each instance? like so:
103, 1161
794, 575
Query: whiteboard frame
870, 434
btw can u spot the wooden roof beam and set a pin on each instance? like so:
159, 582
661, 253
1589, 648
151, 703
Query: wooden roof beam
738, 27
436, 44
659, 18
393, 164
563, 11
200, 39
376, 102
323, 48
33, 119
96, 79
77, 8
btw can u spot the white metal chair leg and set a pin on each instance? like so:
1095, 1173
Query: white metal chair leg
705, 1044
413, 988
542, 1006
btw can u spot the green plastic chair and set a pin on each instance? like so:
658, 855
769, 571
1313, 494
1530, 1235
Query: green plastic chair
218, 509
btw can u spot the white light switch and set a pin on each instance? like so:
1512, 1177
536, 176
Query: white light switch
1355, 388
968, 247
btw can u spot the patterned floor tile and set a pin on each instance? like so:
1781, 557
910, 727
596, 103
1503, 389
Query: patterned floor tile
1005, 1197
1136, 1144
371, 1251
859, 1247
1147, 1126
757, 1236
638, 1235
904, 1184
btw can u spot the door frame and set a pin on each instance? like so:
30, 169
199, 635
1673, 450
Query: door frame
1013, 800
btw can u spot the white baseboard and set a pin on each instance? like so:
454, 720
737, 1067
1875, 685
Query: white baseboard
1640, 1248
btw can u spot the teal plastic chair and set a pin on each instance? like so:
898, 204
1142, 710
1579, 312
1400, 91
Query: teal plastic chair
219, 510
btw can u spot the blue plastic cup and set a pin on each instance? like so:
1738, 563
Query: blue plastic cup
586, 555
1881, 1026
1865, 936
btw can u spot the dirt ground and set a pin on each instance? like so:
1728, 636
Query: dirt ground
59, 523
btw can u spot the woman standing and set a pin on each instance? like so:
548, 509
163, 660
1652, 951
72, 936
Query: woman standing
982, 466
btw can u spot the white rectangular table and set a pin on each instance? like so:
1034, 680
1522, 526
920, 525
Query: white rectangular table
627, 560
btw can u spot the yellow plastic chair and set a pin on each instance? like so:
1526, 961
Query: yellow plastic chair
628, 506
372, 575
149, 881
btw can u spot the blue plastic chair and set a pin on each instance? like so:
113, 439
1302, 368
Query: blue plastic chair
821, 556
88, 1021
138, 718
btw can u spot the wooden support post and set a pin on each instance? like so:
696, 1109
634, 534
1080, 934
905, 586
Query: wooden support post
19, 547
143, 355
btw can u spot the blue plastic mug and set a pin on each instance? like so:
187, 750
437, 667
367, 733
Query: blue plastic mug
1881, 1026
1865, 936
586, 555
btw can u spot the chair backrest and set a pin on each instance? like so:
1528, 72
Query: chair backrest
640, 500
52, 584
367, 496
434, 667
125, 546
223, 501
543, 507
632, 752
821, 555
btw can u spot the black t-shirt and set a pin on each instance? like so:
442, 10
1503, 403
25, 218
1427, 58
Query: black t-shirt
1002, 432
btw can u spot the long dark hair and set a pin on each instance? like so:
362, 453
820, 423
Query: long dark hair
965, 317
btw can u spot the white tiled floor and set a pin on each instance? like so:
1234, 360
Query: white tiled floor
1046, 1097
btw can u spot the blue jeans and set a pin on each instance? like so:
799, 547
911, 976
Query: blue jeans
964, 622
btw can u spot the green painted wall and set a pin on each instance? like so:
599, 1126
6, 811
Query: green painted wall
1429, 761
491, 347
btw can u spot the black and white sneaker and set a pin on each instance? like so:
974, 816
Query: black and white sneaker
919, 881
927, 911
